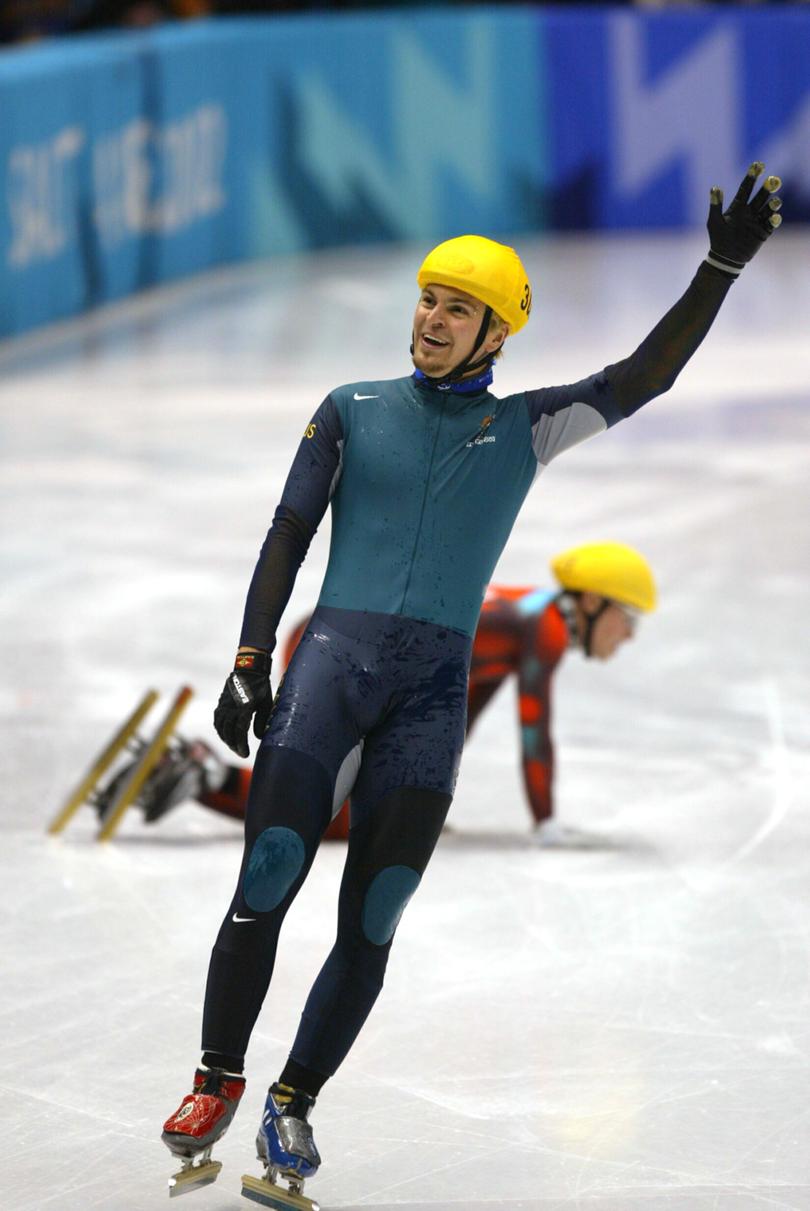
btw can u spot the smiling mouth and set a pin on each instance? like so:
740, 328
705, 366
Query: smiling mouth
433, 342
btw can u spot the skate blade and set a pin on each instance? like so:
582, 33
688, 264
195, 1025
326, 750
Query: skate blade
146, 763
268, 1194
193, 1178
126, 734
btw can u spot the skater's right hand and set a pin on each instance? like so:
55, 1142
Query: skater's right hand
247, 693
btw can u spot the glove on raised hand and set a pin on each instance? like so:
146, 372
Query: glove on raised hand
247, 693
736, 236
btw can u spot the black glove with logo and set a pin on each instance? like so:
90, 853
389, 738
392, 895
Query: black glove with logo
247, 694
735, 237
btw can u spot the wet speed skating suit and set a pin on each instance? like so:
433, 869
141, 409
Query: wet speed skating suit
520, 632
425, 484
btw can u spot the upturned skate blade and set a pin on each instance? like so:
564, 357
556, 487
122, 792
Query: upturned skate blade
125, 734
193, 1178
268, 1194
147, 761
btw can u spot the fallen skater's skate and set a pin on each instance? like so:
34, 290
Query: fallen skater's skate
286, 1148
186, 770
202, 1119
125, 787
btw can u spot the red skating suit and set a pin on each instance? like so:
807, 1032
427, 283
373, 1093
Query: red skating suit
521, 631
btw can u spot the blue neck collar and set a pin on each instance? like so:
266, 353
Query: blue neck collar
465, 386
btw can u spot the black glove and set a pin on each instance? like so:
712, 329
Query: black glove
735, 236
246, 691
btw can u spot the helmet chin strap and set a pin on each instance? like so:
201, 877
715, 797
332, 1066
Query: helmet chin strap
467, 366
590, 622
569, 603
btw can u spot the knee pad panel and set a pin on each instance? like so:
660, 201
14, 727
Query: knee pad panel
276, 860
385, 902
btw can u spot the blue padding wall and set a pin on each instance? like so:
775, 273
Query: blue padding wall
129, 160
644, 111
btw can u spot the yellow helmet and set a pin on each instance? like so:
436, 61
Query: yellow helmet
488, 271
609, 569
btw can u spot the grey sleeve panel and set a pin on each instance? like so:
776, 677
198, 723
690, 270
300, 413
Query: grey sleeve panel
551, 435
562, 417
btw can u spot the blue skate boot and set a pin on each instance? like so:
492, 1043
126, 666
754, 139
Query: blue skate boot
287, 1150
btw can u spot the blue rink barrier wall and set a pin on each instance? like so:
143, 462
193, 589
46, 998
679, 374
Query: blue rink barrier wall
130, 160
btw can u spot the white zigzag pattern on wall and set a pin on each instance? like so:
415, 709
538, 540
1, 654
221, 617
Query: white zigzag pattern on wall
690, 113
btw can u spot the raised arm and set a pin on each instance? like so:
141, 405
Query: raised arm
561, 417
735, 236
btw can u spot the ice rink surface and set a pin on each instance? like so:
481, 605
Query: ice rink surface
625, 1028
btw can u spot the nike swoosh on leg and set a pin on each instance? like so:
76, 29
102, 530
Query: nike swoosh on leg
356, 396
239, 920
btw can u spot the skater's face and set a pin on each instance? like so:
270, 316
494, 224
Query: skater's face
445, 326
614, 626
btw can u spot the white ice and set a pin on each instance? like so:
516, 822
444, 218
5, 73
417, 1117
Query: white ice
623, 1029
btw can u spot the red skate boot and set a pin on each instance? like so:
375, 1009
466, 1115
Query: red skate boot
202, 1118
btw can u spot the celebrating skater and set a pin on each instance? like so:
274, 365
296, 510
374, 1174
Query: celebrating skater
425, 475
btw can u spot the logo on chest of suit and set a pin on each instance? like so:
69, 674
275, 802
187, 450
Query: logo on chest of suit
482, 437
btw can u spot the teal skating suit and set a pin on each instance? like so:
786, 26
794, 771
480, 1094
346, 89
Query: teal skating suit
425, 486
433, 484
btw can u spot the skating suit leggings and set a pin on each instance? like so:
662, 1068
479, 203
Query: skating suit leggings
371, 704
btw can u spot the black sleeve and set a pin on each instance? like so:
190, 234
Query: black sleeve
659, 359
281, 556
310, 485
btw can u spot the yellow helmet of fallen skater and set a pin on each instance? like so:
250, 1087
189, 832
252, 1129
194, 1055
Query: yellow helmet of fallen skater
610, 569
487, 270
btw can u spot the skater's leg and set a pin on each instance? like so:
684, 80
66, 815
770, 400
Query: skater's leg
388, 852
288, 810
306, 764
399, 804
398, 807
534, 707
389, 849
293, 795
